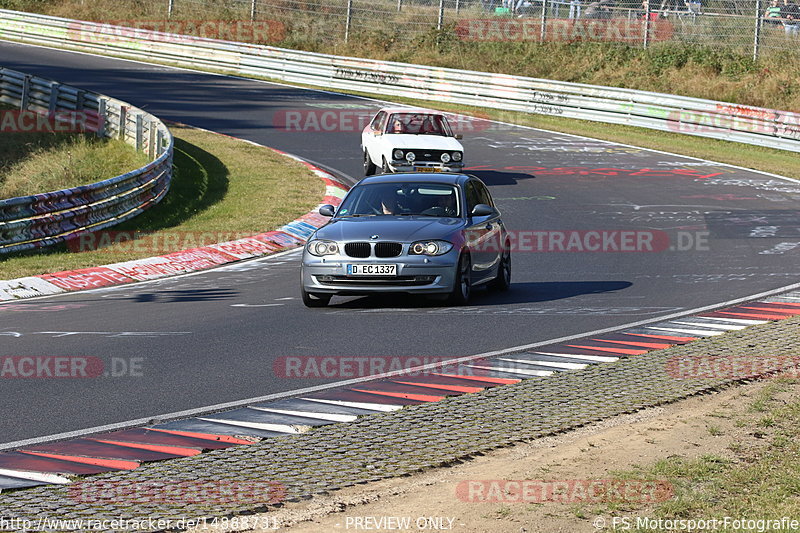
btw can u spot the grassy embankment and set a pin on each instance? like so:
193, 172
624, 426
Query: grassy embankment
34, 162
222, 189
756, 477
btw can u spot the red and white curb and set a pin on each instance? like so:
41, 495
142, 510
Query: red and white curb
289, 236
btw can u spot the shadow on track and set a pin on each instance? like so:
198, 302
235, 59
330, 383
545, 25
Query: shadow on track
519, 293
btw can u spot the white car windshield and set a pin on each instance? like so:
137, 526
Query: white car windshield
418, 124
401, 199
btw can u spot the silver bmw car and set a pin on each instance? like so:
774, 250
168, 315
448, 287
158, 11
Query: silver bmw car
438, 235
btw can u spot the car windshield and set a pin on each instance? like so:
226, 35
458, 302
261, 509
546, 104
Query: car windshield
401, 199
418, 124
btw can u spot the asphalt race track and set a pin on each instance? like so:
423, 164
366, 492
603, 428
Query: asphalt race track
214, 337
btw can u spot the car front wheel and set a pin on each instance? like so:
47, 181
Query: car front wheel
462, 288
369, 166
503, 280
386, 169
315, 299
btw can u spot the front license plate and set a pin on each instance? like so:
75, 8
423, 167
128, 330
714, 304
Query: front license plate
427, 169
371, 270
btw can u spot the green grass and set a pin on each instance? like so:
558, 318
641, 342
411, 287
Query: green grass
32, 163
761, 480
222, 189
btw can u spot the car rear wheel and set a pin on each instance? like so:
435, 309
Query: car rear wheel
314, 299
503, 280
369, 166
462, 288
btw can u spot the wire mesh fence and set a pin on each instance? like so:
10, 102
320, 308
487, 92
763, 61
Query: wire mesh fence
748, 26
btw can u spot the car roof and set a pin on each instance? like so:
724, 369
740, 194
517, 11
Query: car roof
449, 178
391, 110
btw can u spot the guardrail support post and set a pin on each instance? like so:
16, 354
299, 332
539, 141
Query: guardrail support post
123, 121
102, 116
440, 22
543, 29
26, 93
54, 90
348, 21
151, 147
757, 34
160, 142
252, 10
139, 132
170, 8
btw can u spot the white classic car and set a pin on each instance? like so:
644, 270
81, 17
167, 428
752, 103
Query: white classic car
410, 140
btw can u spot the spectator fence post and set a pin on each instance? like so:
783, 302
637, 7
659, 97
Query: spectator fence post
757, 33
543, 30
348, 20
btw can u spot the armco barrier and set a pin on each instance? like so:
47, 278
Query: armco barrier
693, 116
44, 219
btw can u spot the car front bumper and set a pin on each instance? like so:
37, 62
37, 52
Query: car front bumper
403, 166
415, 274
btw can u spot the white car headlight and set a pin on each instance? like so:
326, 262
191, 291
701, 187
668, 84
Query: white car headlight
430, 248
410, 157
445, 157
320, 248
397, 154
457, 156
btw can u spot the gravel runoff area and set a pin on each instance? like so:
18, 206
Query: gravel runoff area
402, 442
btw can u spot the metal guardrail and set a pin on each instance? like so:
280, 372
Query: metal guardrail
706, 118
44, 219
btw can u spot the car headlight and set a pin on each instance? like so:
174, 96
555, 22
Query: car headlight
320, 248
430, 248
445, 157
410, 157
457, 156
397, 154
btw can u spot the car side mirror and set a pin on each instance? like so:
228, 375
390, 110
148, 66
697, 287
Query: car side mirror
327, 210
482, 210
458, 136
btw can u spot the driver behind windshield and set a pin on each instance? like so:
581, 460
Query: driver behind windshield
441, 205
